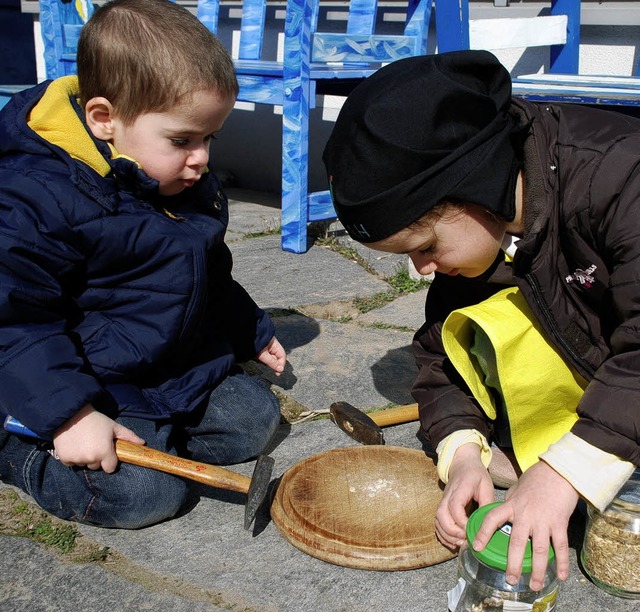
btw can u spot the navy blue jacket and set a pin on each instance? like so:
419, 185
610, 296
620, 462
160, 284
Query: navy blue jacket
109, 293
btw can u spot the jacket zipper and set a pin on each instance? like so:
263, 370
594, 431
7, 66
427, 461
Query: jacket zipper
577, 358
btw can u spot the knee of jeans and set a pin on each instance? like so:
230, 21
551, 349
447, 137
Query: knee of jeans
264, 427
142, 497
252, 432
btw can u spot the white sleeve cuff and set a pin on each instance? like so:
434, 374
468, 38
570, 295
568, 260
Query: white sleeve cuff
594, 473
449, 445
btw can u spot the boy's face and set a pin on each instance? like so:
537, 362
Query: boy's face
173, 147
464, 242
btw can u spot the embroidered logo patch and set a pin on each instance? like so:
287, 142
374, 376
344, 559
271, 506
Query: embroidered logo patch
584, 277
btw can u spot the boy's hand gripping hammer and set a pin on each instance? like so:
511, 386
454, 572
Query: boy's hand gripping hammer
256, 487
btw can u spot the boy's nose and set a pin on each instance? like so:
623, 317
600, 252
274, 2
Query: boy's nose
199, 157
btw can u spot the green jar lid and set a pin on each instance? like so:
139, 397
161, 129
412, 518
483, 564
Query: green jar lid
494, 554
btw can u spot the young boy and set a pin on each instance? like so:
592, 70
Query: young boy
119, 317
529, 215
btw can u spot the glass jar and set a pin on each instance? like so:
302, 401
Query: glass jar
482, 584
611, 551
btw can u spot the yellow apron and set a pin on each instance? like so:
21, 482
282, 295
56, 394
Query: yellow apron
538, 389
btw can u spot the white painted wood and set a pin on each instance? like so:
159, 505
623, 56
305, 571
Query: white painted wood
512, 33
602, 80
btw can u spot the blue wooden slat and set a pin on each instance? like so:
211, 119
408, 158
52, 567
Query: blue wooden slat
259, 67
208, 12
362, 16
417, 24
452, 25
353, 48
295, 125
548, 92
8, 91
51, 37
566, 58
252, 29
585, 97
60, 25
321, 206
259, 89
70, 36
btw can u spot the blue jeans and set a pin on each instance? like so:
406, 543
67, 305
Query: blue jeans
237, 423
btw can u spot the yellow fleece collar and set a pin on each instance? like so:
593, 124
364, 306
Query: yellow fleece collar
55, 119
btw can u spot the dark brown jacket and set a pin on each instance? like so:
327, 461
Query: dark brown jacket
582, 215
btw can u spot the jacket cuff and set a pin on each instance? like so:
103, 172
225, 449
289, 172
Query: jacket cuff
577, 461
449, 445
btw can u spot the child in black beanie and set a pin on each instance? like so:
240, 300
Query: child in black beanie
529, 215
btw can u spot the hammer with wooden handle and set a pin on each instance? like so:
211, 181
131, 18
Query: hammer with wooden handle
256, 487
366, 428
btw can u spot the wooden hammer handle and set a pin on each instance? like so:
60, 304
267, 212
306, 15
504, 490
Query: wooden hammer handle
211, 475
395, 416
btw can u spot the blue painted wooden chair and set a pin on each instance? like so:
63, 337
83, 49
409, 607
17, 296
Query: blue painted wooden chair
314, 63
560, 30
61, 22
7, 91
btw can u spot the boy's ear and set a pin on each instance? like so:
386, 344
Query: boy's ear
99, 116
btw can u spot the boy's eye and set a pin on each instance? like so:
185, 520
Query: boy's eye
427, 250
183, 142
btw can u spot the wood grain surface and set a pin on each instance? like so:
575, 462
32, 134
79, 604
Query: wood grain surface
365, 507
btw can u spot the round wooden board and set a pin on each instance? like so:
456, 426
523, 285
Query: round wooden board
365, 507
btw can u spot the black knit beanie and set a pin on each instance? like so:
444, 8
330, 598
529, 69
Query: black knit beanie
419, 131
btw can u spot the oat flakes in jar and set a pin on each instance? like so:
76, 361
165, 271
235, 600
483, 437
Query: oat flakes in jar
482, 583
611, 551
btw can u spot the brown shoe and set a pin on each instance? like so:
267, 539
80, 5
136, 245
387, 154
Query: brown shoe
503, 469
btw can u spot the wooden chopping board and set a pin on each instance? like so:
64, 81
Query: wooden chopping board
365, 507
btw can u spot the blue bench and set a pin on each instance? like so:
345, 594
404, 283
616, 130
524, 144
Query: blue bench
560, 30
7, 91
60, 25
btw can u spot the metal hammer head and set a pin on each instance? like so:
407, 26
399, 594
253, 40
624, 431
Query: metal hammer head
355, 423
258, 488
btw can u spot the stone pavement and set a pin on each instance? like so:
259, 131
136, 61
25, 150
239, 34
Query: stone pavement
204, 559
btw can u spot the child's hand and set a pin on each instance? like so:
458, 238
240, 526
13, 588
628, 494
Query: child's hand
87, 439
468, 480
273, 356
539, 505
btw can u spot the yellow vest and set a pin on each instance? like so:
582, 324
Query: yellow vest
539, 390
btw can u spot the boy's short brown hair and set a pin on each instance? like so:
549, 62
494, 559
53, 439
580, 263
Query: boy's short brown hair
147, 55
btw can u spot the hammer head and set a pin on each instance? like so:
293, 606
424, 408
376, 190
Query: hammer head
258, 488
355, 423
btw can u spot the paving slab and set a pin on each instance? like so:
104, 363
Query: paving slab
251, 213
384, 264
326, 363
279, 279
34, 580
407, 311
